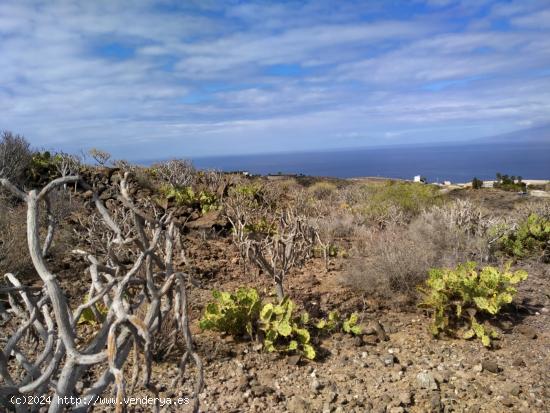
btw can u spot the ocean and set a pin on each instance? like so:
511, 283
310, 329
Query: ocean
456, 163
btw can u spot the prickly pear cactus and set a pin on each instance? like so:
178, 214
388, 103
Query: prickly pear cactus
456, 295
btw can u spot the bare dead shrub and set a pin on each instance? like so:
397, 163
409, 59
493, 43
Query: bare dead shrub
179, 173
287, 247
541, 207
245, 209
15, 157
135, 295
213, 182
323, 190
101, 157
331, 226
165, 344
456, 232
67, 164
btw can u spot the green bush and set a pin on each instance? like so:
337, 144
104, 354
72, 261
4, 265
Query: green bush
261, 226
393, 196
185, 196
256, 195
532, 235
329, 324
477, 183
456, 295
509, 183
350, 325
41, 169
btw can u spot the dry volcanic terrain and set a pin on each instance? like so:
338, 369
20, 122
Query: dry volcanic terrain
359, 249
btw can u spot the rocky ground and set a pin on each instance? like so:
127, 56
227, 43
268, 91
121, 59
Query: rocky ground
396, 366
399, 369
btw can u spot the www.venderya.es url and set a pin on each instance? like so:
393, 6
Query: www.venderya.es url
100, 401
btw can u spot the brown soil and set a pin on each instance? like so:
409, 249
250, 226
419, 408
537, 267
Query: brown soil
362, 374
409, 371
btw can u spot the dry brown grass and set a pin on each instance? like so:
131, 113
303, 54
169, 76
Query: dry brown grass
388, 263
394, 260
14, 256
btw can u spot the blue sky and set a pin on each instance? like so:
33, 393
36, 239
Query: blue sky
147, 79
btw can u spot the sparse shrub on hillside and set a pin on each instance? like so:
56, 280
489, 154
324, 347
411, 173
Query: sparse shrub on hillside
179, 173
509, 183
284, 190
410, 197
323, 190
331, 227
457, 296
203, 201
456, 232
251, 208
243, 208
289, 247
477, 183
388, 203
124, 165
213, 182
397, 258
388, 263
102, 158
540, 207
67, 164
15, 157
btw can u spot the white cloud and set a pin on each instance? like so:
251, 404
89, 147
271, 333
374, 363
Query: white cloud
196, 77
538, 20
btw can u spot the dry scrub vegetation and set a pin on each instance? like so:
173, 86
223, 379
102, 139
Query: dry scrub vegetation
98, 289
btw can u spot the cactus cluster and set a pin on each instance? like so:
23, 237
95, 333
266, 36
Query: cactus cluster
232, 313
530, 236
283, 331
456, 295
276, 325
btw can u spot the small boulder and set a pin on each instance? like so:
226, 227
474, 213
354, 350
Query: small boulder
405, 398
519, 362
491, 366
527, 331
294, 360
426, 380
315, 386
298, 405
388, 360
